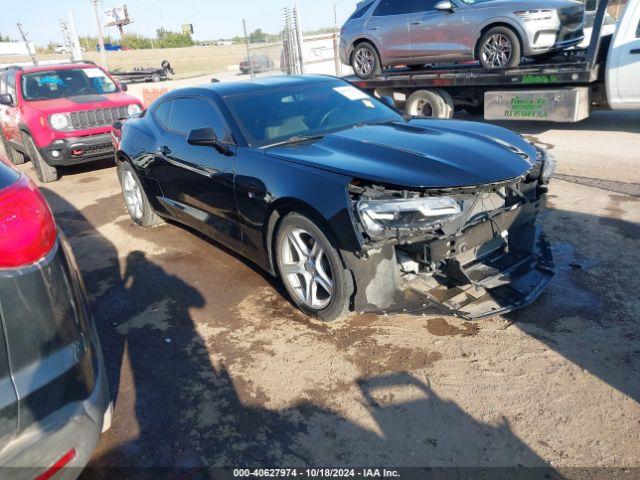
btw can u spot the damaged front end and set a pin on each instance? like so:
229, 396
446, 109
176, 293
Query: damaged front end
471, 251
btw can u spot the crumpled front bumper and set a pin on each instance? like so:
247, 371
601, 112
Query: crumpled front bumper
493, 281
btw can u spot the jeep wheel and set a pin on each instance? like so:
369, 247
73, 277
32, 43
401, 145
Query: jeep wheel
46, 173
14, 156
311, 269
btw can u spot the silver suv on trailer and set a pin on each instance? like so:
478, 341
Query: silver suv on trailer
498, 33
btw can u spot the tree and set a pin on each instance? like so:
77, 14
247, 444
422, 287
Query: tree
169, 39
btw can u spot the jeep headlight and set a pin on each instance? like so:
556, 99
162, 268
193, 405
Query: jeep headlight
406, 215
133, 109
60, 121
535, 15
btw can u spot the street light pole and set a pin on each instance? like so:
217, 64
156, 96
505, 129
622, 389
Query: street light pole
103, 54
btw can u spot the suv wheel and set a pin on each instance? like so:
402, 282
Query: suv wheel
14, 156
365, 61
311, 269
135, 199
499, 47
46, 173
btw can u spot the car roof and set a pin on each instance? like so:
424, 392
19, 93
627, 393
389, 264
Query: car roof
225, 89
49, 67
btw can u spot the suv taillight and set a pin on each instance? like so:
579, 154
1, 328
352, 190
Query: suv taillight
27, 228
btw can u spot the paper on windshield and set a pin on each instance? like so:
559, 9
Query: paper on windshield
352, 93
93, 72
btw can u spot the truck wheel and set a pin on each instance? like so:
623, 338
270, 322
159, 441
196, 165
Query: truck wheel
499, 47
13, 155
46, 173
135, 199
429, 104
311, 269
365, 61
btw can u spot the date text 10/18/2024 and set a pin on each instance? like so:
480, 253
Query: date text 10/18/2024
316, 473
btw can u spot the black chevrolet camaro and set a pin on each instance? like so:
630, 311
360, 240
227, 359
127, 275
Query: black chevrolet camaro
352, 205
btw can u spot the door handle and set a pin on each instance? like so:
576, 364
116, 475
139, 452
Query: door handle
635, 51
164, 150
416, 23
374, 28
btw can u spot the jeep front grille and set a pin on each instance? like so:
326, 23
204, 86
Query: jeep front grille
97, 118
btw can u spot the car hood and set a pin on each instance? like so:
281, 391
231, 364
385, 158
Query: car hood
83, 102
526, 4
418, 154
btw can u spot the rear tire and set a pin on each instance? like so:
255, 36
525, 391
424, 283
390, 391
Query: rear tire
309, 262
13, 155
365, 61
499, 47
429, 104
46, 173
135, 198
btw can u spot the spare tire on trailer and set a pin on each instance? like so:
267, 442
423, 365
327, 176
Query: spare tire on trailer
429, 104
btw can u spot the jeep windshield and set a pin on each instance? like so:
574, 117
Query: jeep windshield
72, 82
275, 115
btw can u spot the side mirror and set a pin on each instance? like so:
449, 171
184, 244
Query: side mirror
444, 6
6, 99
124, 87
206, 137
388, 101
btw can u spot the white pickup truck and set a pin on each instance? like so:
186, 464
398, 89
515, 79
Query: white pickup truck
564, 89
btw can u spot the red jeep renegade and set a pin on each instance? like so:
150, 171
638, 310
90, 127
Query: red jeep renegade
61, 114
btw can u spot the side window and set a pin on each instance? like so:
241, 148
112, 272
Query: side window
416, 6
11, 84
191, 113
163, 113
359, 13
391, 7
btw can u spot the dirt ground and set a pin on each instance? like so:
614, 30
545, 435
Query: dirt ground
209, 364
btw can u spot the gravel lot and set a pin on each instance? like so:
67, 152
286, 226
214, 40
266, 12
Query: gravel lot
209, 364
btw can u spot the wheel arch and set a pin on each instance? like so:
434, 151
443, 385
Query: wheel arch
360, 40
282, 207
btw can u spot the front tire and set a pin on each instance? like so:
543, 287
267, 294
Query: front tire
135, 199
499, 47
365, 61
14, 156
311, 269
46, 173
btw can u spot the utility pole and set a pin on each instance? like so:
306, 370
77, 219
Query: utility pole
298, 28
246, 42
336, 48
76, 48
23, 34
103, 54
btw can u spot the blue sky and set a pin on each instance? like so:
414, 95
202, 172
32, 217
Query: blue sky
212, 19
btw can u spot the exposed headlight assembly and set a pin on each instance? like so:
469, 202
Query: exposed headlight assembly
60, 121
406, 215
133, 109
535, 15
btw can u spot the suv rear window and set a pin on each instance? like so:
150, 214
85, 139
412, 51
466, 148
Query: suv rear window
52, 84
360, 11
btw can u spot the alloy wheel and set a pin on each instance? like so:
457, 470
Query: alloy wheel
306, 268
132, 195
497, 51
364, 62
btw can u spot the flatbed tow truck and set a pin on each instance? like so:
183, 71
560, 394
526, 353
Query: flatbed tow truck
564, 89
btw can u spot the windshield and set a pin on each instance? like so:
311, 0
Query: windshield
471, 2
274, 115
53, 84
